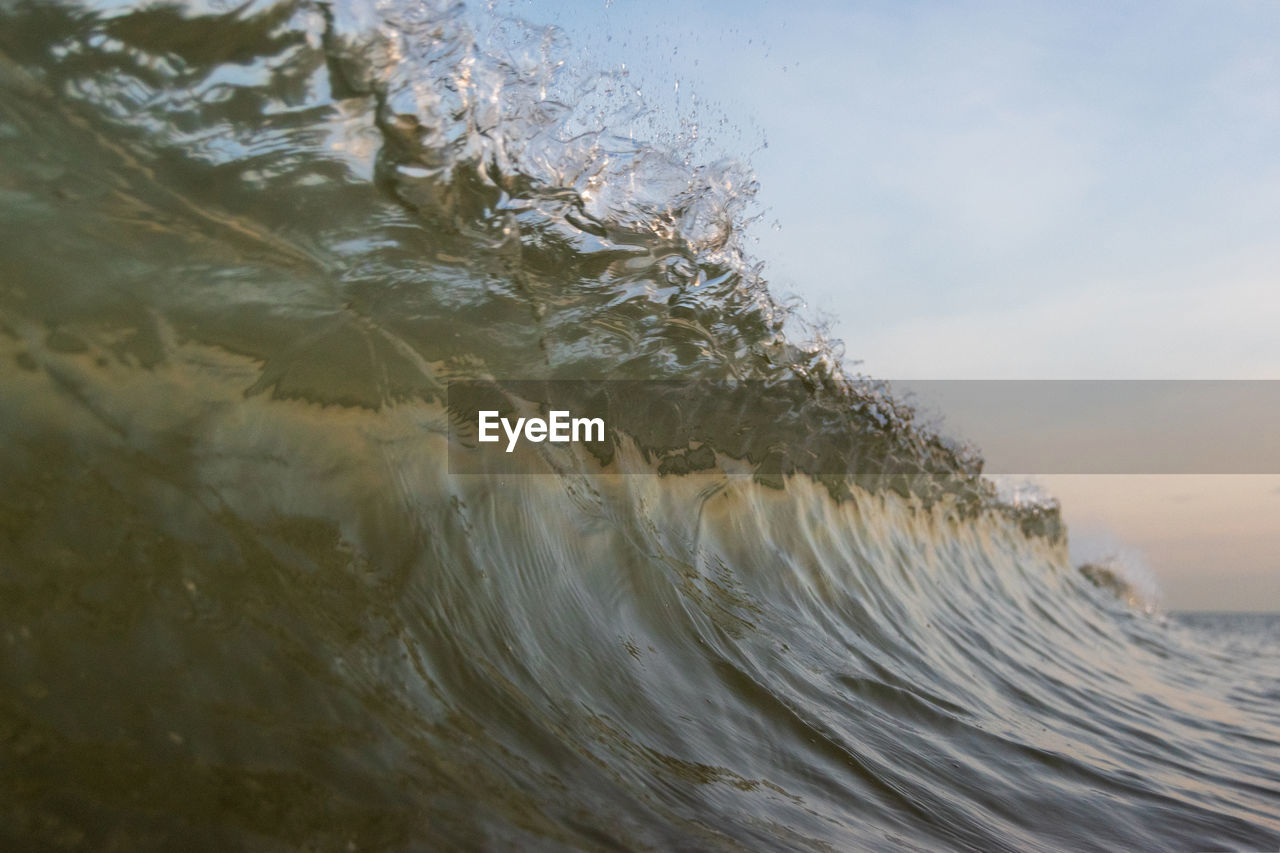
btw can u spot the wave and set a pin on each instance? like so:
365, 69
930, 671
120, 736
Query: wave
246, 604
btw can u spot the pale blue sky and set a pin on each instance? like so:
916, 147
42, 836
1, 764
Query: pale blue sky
985, 190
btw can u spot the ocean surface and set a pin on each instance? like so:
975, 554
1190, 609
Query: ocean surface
245, 604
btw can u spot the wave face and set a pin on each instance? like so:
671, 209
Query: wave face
244, 604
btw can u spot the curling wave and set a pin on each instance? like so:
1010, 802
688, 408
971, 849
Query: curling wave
245, 604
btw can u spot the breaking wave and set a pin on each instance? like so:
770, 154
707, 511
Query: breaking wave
245, 603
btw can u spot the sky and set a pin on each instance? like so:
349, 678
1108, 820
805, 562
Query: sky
1009, 190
